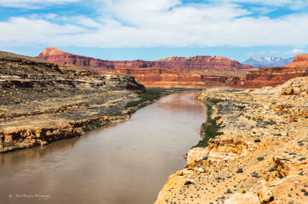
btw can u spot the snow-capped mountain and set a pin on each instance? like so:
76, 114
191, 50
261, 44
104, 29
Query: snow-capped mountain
267, 61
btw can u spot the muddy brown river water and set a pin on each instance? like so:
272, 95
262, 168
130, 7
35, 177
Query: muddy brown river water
124, 164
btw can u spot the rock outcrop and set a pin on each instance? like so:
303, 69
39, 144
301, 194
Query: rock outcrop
299, 61
259, 153
41, 103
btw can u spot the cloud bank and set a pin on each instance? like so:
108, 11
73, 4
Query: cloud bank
159, 23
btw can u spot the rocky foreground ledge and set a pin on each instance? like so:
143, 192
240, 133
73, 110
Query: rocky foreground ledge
259, 153
41, 103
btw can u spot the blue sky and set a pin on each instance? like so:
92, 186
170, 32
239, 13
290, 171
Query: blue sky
147, 29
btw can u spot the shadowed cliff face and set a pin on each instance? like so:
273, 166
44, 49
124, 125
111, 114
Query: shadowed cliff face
193, 72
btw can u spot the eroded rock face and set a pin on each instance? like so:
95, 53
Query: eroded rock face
276, 76
188, 63
191, 72
197, 71
41, 103
260, 154
273, 76
299, 61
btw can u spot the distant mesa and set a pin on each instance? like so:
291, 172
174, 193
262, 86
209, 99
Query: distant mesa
188, 72
198, 62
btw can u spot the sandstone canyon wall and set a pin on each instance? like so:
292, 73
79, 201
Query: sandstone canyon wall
274, 76
189, 72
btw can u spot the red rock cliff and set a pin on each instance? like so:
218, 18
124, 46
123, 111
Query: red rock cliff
199, 71
274, 76
199, 62
299, 61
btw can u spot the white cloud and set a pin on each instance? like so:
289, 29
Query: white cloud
148, 23
278, 3
296, 51
32, 4
30, 31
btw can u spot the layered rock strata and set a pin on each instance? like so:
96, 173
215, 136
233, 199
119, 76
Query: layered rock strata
187, 72
259, 153
41, 103
181, 63
272, 76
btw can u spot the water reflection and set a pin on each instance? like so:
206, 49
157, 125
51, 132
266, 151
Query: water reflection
14, 158
181, 102
127, 163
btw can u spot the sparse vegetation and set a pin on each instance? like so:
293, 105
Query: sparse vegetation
210, 128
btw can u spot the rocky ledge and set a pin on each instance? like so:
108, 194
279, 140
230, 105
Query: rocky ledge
259, 153
41, 102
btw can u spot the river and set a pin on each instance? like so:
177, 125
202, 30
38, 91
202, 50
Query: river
124, 164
